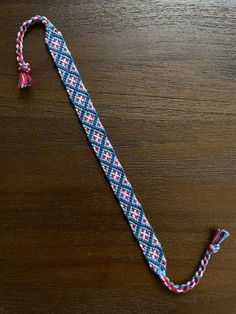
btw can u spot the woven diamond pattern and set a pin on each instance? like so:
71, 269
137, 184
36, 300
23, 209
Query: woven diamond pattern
104, 151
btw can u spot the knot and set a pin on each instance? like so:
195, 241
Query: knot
213, 248
218, 237
24, 67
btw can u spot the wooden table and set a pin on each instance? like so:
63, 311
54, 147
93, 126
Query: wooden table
162, 77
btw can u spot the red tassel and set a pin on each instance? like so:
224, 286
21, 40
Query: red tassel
25, 80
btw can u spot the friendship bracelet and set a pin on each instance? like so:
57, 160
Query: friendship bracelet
106, 155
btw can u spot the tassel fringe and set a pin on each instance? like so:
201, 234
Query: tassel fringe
218, 237
25, 80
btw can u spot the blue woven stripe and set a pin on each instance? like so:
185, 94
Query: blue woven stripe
104, 151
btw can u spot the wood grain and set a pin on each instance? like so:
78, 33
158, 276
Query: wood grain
162, 77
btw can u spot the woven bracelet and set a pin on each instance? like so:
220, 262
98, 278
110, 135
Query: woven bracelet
106, 155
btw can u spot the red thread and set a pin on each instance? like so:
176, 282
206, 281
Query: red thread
25, 80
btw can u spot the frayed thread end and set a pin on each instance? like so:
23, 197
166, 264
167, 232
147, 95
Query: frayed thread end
218, 237
25, 80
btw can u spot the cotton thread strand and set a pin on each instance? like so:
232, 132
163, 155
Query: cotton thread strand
113, 170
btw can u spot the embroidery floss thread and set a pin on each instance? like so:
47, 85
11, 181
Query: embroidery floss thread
113, 170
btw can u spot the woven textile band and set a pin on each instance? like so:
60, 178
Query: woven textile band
113, 170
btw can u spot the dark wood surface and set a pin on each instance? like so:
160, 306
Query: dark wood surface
162, 77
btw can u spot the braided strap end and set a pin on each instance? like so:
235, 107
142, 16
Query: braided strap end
25, 79
218, 237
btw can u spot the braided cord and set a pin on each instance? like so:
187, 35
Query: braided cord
183, 288
22, 65
106, 155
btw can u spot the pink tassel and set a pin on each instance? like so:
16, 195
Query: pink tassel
218, 237
25, 80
